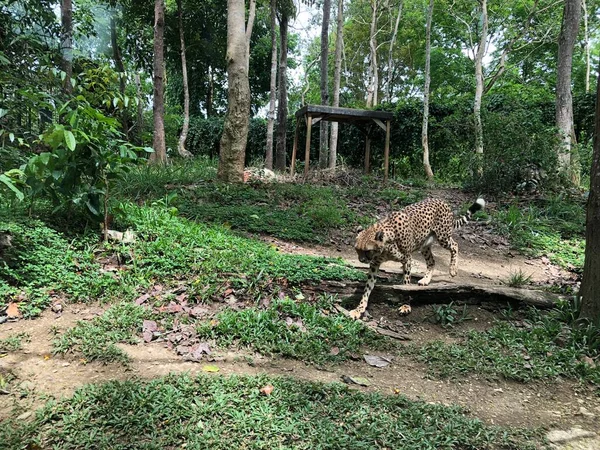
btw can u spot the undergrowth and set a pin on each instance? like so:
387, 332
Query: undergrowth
554, 227
222, 413
291, 329
545, 346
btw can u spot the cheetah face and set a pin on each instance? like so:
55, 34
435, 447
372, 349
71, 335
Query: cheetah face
369, 245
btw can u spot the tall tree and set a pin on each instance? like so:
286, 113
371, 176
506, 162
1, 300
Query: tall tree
337, 74
390, 65
186, 91
479, 80
160, 151
114, 42
235, 129
272, 85
564, 98
590, 285
324, 134
66, 15
282, 105
373, 86
424, 130
586, 45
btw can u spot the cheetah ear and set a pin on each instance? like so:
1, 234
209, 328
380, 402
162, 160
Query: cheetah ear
379, 236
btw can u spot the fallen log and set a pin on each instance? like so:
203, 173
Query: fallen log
440, 292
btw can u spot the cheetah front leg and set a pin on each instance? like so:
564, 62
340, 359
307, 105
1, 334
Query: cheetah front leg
357, 312
426, 252
403, 258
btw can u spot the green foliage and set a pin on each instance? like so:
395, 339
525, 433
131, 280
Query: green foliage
291, 329
553, 227
448, 315
13, 342
544, 347
230, 412
518, 278
96, 339
41, 261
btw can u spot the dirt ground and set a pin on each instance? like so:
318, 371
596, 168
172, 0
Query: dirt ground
484, 259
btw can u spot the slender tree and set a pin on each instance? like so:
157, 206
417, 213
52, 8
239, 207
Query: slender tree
590, 285
564, 99
324, 129
273, 87
282, 106
373, 87
160, 152
424, 133
390, 65
337, 74
235, 129
186, 91
66, 15
479, 80
120, 68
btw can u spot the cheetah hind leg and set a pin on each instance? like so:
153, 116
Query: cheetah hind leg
426, 252
450, 244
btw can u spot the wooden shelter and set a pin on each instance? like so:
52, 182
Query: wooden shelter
359, 117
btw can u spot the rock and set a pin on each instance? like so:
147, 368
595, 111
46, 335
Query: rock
585, 412
563, 436
25, 415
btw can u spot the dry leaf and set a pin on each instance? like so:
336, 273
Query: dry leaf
266, 390
13, 311
376, 361
334, 351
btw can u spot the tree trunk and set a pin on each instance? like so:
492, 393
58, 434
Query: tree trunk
282, 108
121, 69
186, 92
590, 285
235, 129
324, 129
140, 109
373, 87
388, 93
159, 145
273, 87
424, 134
337, 74
564, 98
587, 46
479, 82
66, 15
210, 93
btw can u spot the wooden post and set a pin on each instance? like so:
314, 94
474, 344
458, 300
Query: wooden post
307, 151
367, 154
386, 155
294, 150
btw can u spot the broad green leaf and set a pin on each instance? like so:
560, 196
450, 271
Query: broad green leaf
11, 137
70, 140
8, 182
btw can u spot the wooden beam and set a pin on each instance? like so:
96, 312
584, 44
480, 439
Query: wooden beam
294, 149
367, 155
380, 123
317, 120
386, 154
307, 151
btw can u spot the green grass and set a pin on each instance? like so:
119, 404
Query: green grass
42, 261
518, 278
545, 347
230, 413
553, 227
95, 339
310, 335
13, 342
294, 211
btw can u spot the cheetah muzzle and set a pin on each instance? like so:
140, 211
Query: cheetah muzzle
415, 227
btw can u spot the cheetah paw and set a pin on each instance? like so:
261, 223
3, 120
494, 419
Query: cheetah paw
453, 271
423, 281
355, 314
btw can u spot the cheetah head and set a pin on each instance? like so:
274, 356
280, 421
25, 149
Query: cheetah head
369, 244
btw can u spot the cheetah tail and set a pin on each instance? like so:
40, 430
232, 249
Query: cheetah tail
462, 220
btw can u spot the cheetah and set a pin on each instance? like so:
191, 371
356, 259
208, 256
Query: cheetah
413, 228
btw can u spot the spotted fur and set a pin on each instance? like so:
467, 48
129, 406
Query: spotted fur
413, 228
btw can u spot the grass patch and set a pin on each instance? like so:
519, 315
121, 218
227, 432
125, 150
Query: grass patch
96, 339
13, 342
291, 329
42, 261
543, 347
554, 227
230, 413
